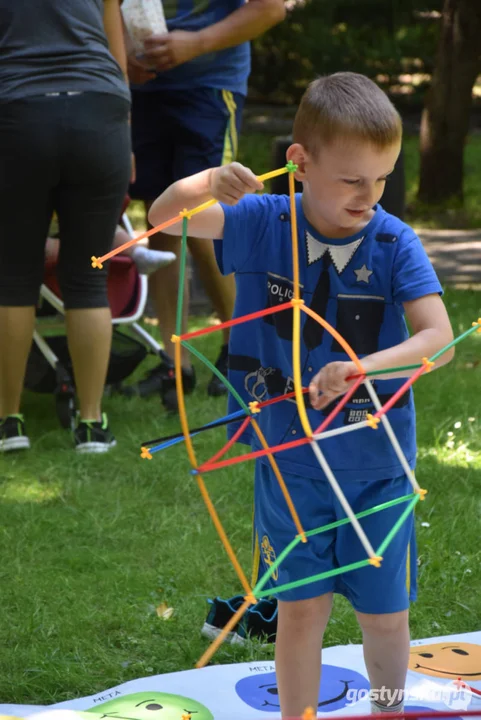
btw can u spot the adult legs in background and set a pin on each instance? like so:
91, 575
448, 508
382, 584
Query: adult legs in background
88, 200
82, 171
176, 134
28, 171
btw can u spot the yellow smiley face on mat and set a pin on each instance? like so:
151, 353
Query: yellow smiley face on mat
447, 660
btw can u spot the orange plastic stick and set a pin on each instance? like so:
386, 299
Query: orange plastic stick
343, 343
281, 481
193, 461
98, 261
223, 634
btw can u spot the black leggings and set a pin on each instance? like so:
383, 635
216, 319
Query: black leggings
69, 154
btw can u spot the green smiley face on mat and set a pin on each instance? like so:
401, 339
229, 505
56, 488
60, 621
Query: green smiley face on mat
151, 706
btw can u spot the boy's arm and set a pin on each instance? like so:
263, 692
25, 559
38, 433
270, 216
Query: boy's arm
227, 184
431, 332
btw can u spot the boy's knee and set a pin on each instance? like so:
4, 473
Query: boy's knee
384, 623
302, 612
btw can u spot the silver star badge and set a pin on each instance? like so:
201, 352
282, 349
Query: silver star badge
363, 274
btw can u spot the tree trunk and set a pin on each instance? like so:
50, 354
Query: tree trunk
445, 120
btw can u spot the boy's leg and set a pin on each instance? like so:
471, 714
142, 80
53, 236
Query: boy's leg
300, 631
386, 654
304, 610
381, 596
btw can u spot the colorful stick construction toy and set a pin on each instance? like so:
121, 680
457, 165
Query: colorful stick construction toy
248, 412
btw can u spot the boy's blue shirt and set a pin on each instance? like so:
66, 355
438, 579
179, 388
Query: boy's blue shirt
370, 275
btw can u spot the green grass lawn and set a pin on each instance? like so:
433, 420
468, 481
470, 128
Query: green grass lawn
91, 546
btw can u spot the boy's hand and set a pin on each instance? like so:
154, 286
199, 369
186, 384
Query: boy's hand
229, 183
332, 382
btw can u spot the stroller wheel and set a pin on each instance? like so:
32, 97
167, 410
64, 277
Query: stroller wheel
65, 407
65, 398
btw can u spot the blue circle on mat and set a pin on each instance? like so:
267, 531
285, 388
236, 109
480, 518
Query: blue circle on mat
260, 691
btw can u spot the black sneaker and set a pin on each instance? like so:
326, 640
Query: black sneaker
12, 434
161, 379
168, 392
259, 621
216, 388
219, 615
91, 436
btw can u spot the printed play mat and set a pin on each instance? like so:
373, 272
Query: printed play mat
444, 674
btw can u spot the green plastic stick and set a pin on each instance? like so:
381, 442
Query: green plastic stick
362, 514
267, 575
183, 262
217, 372
401, 368
315, 578
397, 525
455, 342
414, 497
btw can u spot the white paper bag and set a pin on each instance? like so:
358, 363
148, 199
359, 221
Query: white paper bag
143, 18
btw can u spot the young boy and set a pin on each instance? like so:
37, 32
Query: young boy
363, 270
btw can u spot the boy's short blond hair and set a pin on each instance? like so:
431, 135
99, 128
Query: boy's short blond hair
345, 105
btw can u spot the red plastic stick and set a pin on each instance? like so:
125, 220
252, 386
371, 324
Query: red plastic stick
339, 407
237, 321
401, 391
228, 445
272, 401
256, 454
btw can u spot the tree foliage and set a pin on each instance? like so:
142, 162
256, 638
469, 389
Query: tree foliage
381, 38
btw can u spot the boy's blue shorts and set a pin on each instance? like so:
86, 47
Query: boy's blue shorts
386, 589
176, 133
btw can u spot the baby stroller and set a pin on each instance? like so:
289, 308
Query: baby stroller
49, 368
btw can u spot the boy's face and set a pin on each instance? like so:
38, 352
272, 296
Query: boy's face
343, 183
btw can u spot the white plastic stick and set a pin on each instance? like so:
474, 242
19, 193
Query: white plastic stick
339, 431
342, 499
390, 433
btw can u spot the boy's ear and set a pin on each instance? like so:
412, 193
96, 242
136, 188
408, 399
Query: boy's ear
297, 154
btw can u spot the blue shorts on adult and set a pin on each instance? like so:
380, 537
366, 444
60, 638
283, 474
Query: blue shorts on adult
177, 133
386, 589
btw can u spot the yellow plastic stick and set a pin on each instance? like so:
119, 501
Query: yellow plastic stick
296, 320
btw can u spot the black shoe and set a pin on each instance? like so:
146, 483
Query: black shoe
216, 388
169, 389
259, 621
161, 379
12, 434
91, 436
